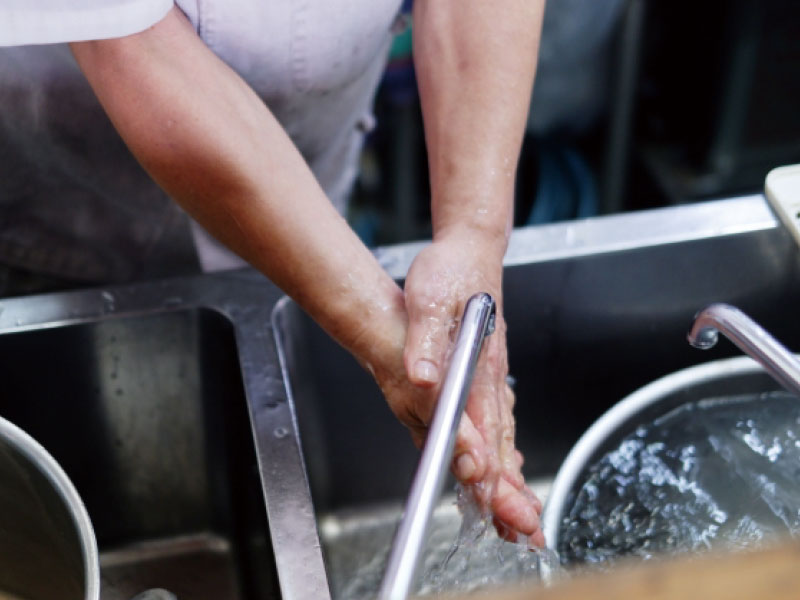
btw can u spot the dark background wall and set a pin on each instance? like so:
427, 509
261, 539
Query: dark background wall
637, 104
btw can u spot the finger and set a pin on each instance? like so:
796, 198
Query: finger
469, 455
503, 531
537, 504
509, 455
520, 459
427, 340
482, 405
536, 539
482, 409
532, 498
418, 436
514, 508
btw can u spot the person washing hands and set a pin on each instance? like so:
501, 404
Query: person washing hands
250, 116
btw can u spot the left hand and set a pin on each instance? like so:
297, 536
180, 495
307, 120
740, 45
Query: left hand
441, 280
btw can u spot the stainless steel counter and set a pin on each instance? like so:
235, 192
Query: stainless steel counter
595, 309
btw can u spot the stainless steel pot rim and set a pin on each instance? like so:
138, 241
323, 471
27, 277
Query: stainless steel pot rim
35, 452
599, 432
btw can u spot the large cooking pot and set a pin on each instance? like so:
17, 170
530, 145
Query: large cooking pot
47, 545
728, 377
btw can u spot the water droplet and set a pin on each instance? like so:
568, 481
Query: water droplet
109, 302
280, 432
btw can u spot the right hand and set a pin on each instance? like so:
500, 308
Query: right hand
485, 457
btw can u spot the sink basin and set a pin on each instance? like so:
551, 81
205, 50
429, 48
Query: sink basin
147, 416
146, 395
225, 447
595, 310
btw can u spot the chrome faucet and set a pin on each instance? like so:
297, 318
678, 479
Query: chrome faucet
750, 337
409, 541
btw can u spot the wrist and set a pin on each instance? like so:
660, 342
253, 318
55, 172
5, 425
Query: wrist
483, 215
487, 241
377, 332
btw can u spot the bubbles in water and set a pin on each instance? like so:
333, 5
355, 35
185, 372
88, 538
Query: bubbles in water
280, 432
719, 473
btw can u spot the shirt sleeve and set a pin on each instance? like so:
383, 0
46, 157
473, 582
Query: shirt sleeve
25, 22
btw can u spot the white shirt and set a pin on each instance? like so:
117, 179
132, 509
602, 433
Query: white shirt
52, 21
315, 64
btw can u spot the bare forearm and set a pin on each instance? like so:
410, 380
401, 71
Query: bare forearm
211, 143
475, 62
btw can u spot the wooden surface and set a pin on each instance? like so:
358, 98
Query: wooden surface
768, 574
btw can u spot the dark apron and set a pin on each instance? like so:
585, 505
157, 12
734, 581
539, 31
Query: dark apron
74, 203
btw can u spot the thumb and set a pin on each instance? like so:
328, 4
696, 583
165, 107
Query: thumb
426, 342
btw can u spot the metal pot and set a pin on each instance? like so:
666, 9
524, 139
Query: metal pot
47, 546
740, 375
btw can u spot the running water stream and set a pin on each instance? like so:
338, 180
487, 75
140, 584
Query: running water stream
478, 558
718, 473
463, 552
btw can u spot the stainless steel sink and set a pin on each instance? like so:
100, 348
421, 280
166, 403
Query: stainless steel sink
595, 310
139, 393
213, 438
147, 416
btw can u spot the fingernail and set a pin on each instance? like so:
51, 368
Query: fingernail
537, 541
465, 467
425, 370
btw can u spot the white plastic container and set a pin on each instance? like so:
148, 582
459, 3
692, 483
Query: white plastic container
782, 189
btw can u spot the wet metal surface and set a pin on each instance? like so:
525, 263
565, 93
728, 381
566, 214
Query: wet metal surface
141, 393
595, 310
178, 408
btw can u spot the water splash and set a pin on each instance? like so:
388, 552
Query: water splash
463, 552
478, 558
721, 473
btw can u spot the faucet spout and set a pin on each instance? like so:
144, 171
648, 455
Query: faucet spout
750, 337
478, 322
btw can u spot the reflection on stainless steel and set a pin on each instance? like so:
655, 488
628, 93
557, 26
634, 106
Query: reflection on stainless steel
617, 233
476, 323
144, 403
595, 309
47, 546
176, 407
750, 337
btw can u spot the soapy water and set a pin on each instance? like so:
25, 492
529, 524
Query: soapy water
462, 554
715, 474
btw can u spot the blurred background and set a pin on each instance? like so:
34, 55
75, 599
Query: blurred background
636, 104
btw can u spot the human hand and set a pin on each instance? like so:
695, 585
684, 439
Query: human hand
441, 280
